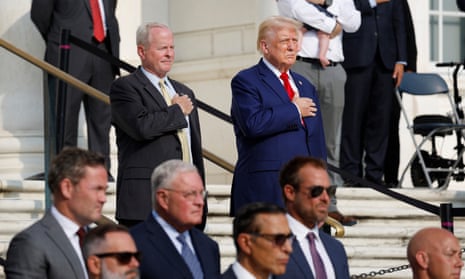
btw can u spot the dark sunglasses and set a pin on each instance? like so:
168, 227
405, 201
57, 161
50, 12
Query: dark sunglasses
316, 191
277, 239
122, 257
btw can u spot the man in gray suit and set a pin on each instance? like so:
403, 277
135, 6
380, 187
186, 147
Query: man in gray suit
51, 17
50, 248
263, 241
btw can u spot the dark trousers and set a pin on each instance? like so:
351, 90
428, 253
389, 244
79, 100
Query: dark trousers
366, 118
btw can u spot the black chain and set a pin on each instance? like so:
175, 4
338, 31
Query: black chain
384, 271
380, 272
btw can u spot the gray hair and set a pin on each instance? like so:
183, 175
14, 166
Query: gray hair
166, 172
143, 32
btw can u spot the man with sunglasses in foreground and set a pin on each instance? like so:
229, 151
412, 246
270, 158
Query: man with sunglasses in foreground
171, 244
110, 253
306, 189
263, 242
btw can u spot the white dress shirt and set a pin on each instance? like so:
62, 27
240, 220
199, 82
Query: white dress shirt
70, 228
243, 273
301, 231
344, 12
173, 233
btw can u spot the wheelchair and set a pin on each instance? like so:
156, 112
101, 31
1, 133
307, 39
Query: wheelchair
428, 166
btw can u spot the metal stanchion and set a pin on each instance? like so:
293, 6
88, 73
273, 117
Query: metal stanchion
447, 218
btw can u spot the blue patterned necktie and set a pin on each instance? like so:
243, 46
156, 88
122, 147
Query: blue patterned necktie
320, 272
190, 259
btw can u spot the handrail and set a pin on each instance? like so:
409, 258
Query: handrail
340, 231
49, 68
103, 97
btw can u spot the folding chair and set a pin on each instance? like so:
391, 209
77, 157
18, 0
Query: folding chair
428, 167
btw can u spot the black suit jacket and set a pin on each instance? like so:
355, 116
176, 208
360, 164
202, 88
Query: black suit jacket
146, 137
160, 258
51, 16
461, 5
383, 28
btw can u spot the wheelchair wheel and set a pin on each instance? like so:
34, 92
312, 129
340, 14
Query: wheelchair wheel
416, 171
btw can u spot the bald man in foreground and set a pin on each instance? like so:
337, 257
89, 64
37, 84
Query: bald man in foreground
434, 253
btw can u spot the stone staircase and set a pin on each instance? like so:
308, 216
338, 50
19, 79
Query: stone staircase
377, 242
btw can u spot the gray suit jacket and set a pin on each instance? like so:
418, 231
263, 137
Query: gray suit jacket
43, 251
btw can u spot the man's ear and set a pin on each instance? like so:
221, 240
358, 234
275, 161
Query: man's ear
94, 265
264, 46
162, 199
289, 192
66, 188
245, 243
422, 259
141, 51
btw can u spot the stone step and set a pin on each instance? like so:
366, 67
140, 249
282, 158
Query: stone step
377, 242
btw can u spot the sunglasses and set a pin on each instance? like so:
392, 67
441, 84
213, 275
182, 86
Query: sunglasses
277, 239
316, 191
122, 257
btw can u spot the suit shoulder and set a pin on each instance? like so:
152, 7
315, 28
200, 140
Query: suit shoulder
326, 237
248, 71
201, 236
183, 88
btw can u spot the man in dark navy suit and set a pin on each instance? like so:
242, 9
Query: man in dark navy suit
375, 57
170, 244
272, 124
306, 186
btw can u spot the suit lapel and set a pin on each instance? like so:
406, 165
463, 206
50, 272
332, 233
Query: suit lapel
150, 89
271, 81
200, 253
161, 242
87, 4
299, 83
329, 246
58, 236
299, 258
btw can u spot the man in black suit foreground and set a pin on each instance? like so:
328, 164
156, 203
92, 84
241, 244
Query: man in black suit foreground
263, 242
375, 56
172, 246
156, 120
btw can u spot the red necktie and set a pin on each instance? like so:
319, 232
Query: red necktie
99, 33
81, 234
287, 85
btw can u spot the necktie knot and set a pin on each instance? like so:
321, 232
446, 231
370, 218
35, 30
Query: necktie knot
287, 85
